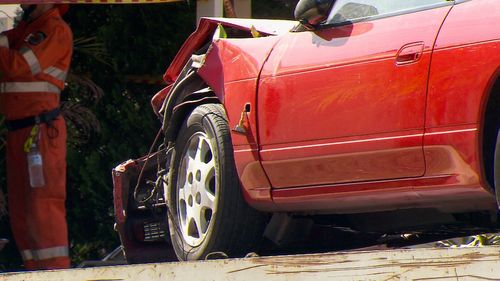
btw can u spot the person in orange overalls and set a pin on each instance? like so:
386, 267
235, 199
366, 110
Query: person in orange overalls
34, 61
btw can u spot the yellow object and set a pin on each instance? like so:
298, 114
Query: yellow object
240, 128
220, 33
255, 33
33, 137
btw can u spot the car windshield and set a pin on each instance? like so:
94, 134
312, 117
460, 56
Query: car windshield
352, 10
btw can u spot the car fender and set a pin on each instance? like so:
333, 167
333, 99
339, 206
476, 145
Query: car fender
232, 68
234, 60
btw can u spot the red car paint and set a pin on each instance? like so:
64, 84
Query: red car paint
377, 115
343, 120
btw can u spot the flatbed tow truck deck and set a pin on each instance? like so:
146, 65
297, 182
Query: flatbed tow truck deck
480, 263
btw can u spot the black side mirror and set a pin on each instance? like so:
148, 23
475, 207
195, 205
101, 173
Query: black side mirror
313, 12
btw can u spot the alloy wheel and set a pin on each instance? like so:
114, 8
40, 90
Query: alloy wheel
197, 191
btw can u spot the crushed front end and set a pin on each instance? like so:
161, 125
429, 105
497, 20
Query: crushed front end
140, 210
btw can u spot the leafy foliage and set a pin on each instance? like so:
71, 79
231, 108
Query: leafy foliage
120, 41
480, 240
274, 9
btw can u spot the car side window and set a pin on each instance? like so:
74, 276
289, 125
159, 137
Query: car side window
356, 10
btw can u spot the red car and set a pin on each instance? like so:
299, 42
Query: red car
384, 112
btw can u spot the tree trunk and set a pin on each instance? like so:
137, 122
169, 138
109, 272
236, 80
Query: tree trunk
229, 9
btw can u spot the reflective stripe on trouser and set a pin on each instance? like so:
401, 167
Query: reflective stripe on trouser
45, 254
50, 258
38, 215
28, 87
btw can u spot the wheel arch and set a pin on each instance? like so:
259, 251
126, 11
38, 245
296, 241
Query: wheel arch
490, 124
191, 92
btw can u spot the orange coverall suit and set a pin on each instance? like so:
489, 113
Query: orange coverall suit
34, 61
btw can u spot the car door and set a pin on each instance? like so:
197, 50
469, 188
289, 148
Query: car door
346, 102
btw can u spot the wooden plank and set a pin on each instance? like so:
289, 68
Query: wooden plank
412, 264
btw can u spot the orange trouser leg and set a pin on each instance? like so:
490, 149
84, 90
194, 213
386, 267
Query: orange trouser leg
38, 215
54, 263
18, 191
30, 265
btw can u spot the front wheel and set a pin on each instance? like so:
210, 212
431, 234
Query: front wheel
207, 211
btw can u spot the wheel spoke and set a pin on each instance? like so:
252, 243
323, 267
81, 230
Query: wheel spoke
193, 150
197, 221
188, 187
188, 217
208, 172
207, 167
190, 164
199, 150
207, 200
182, 194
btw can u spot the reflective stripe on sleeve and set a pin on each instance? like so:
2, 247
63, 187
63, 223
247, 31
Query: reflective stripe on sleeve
30, 87
31, 59
57, 73
45, 254
4, 41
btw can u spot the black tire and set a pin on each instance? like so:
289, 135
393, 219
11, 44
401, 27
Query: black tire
204, 181
496, 169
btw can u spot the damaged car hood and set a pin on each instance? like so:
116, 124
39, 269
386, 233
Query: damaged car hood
206, 29
269, 27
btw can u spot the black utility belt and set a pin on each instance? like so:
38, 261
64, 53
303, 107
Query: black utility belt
45, 117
